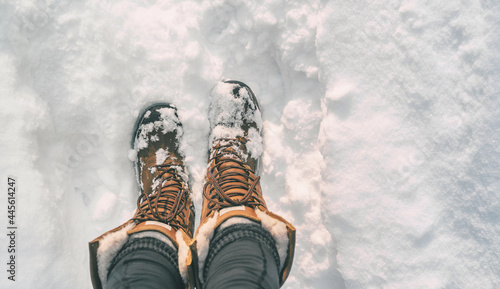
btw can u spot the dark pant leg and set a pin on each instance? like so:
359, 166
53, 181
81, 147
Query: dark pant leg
145, 263
242, 256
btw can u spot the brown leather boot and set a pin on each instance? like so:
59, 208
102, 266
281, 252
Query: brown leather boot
232, 188
165, 195
164, 204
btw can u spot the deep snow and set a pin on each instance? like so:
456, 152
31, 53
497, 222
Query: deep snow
381, 128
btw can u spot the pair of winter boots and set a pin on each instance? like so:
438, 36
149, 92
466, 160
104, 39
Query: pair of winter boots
231, 192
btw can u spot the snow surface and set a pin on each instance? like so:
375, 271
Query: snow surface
381, 128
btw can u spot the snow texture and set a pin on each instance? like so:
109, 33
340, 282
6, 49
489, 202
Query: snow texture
228, 113
229, 110
161, 156
380, 128
148, 132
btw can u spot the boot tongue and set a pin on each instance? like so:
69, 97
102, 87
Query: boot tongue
150, 171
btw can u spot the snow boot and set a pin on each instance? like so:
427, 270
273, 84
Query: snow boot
164, 205
232, 193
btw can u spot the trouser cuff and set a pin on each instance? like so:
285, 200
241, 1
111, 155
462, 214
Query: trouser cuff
146, 243
223, 237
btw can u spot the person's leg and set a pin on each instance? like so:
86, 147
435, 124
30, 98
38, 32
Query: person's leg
145, 263
240, 243
242, 256
145, 251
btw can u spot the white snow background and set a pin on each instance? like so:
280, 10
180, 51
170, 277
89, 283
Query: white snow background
381, 128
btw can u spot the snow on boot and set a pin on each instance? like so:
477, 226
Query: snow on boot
164, 207
232, 188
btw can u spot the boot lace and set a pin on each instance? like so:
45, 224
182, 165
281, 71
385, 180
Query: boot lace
234, 183
167, 201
